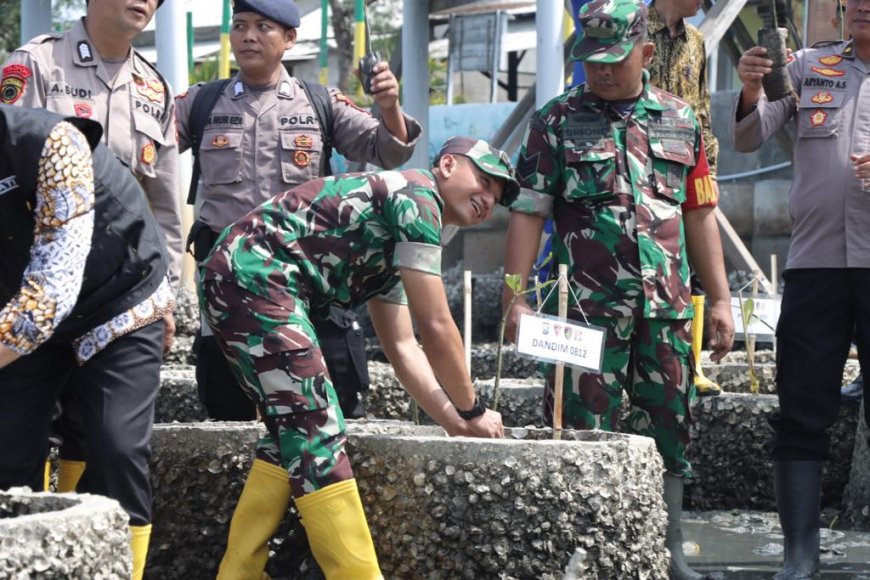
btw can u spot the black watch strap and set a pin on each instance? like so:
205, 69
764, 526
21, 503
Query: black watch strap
474, 412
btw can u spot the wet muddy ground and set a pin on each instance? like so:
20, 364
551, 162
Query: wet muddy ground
742, 545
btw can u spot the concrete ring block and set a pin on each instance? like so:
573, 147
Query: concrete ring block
438, 507
45, 535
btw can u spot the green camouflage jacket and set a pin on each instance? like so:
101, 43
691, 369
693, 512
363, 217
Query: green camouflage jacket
615, 189
335, 240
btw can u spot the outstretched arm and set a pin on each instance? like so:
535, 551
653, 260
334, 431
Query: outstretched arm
444, 359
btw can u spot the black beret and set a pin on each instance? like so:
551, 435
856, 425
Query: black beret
281, 11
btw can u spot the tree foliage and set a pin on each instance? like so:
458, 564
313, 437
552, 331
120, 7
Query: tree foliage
64, 12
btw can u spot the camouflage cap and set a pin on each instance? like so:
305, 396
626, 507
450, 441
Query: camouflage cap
611, 28
488, 159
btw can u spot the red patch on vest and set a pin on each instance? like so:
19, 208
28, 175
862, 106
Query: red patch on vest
303, 142
150, 89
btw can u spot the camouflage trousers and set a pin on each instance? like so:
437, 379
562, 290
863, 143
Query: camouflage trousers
650, 360
273, 351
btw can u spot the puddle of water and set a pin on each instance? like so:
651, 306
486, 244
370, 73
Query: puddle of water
742, 545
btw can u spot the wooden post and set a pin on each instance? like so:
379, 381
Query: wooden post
774, 276
560, 368
466, 293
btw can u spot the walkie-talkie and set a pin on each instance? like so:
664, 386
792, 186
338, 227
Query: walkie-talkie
367, 63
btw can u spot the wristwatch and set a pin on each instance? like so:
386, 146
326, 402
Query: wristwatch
474, 412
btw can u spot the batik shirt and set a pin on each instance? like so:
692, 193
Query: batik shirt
616, 189
62, 242
680, 68
335, 240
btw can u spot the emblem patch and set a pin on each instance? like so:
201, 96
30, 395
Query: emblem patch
83, 110
238, 88
301, 158
149, 153
303, 142
822, 97
150, 89
220, 141
818, 118
14, 81
827, 72
831, 60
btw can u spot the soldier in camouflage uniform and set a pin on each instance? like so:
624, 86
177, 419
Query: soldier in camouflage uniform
620, 167
370, 238
680, 68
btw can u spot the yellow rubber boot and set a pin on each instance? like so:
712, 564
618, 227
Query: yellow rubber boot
68, 474
338, 534
46, 477
703, 385
258, 514
140, 536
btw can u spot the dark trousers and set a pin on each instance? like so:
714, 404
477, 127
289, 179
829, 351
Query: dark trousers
820, 310
219, 391
114, 393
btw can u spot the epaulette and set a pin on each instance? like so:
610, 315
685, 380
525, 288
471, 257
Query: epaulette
42, 39
824, 43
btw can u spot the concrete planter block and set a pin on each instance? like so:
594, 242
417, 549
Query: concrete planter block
45, 535
856, 502
512, 508
438, 507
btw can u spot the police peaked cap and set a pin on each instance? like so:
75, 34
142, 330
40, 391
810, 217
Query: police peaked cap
281, 11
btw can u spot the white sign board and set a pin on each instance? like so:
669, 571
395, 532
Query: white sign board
549, 339
765, 315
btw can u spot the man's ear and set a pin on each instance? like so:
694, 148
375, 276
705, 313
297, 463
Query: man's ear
447, 164
290, 38
648, 51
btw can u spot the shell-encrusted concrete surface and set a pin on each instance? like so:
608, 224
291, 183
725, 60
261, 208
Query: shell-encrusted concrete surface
178, 399
730, 452
438, 507
82, 537
513, 508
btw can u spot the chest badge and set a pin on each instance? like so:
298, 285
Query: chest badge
220, 141
150, 89
302, 159
83, 110
14, 82
827, 72
818, 118
148, 154
831, 60
822, 98
303, 142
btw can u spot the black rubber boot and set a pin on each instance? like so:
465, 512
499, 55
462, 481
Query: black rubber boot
674, 539
798, 486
